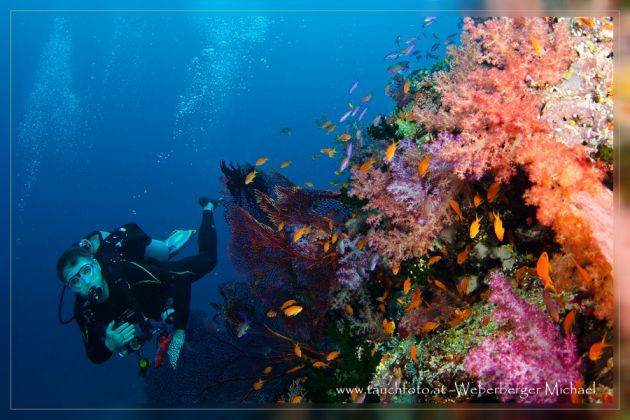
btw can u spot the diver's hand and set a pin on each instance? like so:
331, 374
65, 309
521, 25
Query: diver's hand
175, 346
117, 337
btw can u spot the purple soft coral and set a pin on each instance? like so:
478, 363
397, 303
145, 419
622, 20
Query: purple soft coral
533, 355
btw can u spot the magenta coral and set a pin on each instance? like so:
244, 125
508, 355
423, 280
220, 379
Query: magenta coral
532, 354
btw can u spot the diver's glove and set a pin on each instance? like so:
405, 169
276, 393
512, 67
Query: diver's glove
209, 203
175, 346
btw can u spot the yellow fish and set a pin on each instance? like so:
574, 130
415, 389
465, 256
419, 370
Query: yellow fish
329, 152
391, 151
262, 161
498, 227
367, 165
300, 232
326, 124
542, 269
267, 369
309, 184
280, 226
326, 246
535, 45
474, 226
293, 310
344, 137
250, 176
286, 163
423, 166
389, 326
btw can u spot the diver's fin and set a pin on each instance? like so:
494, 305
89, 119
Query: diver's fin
177, 239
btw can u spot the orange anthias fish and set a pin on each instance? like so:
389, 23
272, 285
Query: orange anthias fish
301, 232
329, 152
296, 399
581, 270
267, 370
344, 137
406, 87
389, 326
331, 128
319, 364
367, 165
498, 227
413, 353
493, 190
407, 285
429, 326
415, 301
423, 166
262, 161
297, 350
462, 287
287, 304
285, 163
477, 200
395, 269
455, 206
348, 309
326, 124
271, 313
474, 226
391, 151
535, 45
332, 355
258, 384
250, 176
293, 310
463, 256
597, 349
542, 269
586, 21
440, 285
434, 259
569, 320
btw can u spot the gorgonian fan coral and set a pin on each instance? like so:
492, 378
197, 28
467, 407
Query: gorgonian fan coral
531, 354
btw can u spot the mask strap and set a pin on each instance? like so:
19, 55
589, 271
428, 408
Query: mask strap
85, 243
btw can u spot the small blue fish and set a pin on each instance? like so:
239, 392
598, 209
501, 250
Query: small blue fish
435, 57
410, 40
406, 51
354, 112
377, 120
353, 87
435, 46
392, 56
398, 67
349, 149
416, 52
428, 20
452, 35
362, 114
344, 116
448, 42
435, 36
398, 40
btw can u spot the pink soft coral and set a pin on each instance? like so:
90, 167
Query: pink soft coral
489, 94
405, 213
532, 355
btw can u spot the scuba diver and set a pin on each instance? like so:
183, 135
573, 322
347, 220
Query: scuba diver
121, 283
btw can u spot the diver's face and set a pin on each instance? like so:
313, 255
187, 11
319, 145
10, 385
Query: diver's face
83, 275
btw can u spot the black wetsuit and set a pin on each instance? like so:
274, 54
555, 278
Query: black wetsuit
138, 289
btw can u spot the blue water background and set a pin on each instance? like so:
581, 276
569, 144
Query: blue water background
128, 116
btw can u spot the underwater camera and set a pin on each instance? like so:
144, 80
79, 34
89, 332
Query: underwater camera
130, 316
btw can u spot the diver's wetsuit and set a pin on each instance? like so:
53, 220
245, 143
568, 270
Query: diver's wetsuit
137, 288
